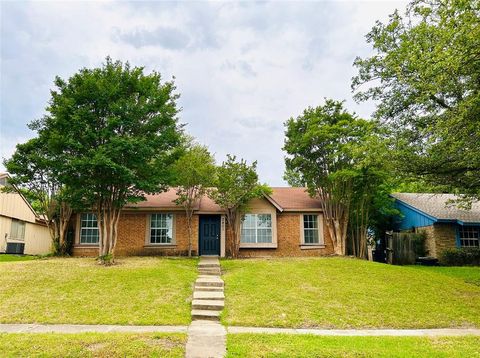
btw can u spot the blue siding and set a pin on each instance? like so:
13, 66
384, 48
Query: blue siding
411, 218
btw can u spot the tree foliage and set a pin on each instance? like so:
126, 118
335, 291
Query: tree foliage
341, 159
236, 184
113, 132
425, 77
194, 173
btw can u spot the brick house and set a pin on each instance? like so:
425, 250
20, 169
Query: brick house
286, 223
446, 225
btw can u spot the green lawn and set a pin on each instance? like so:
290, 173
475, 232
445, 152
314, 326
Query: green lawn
92, 345
291, 346
10, 258
143, 291
348, 293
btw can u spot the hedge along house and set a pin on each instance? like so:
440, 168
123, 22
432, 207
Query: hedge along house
286, 223
446, 226
22, 230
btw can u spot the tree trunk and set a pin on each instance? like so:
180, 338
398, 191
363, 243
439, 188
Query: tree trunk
107, 219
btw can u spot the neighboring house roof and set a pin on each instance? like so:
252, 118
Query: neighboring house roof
284, 199
15, 209
439, 207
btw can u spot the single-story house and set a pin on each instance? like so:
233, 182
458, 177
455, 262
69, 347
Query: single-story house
286, 223
22, 230
445, 224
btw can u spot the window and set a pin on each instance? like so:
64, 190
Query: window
17, 230
469, 236
88, 229
161, 228
257, 229
310, 229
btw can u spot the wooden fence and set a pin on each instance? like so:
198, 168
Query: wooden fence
402, 248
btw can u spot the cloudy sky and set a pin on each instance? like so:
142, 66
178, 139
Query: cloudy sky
242, 69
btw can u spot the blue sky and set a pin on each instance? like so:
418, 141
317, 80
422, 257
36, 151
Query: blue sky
242, 69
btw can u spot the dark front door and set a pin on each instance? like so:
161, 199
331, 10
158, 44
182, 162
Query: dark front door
209, 235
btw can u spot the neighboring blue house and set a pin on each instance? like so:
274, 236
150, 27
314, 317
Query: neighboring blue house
446, 225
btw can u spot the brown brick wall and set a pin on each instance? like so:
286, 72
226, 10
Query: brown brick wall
288, 240
132, 231
439, 238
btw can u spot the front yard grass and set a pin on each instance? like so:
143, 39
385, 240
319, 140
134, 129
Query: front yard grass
140, 290
92, 345
347, 293
291, 346
10, 257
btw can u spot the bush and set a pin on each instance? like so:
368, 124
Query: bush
460, 257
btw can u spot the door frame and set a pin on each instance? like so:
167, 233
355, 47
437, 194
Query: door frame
221, 241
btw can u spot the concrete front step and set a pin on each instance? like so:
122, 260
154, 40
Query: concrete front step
209, 281
210, 305
208, 288
208, 264
205, 315
206, 295
209, 273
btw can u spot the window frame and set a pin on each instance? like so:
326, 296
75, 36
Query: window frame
468, 228
320, 232
79, 231
20, 223
257, 228
148, 235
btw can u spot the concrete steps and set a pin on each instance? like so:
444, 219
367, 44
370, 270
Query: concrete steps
205, 315
208, 294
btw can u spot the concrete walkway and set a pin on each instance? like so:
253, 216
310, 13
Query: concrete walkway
80, 328
213, 328
206, 336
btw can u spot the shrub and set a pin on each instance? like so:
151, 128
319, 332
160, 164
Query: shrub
460, 257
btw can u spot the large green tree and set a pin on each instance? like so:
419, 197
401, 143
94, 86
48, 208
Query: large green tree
194, 173
113, 131
425, 77
327, 149
236, 184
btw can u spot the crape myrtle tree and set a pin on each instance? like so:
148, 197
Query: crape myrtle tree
236, 184
194, 173
327, 148
113, 131
35, 171
425, 76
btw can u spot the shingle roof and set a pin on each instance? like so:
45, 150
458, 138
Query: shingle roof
438, 206
290, 199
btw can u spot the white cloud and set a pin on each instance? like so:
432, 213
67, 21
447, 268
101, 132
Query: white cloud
242, 69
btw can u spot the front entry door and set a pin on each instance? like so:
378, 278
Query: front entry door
209, 235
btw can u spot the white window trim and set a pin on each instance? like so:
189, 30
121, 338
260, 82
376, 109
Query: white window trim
160, 244
321, 238
262, 245
78, 231
467, 238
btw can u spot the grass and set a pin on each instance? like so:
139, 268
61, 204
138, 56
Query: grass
92, 345
12, 258
348, 293
291, 346
142, 291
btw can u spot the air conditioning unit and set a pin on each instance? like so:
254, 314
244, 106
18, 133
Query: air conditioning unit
15, 248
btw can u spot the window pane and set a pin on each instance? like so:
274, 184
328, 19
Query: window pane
264, 220
248, 235
161, 228
264, 235
249, 221
88, 229
469, 236
310, 229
